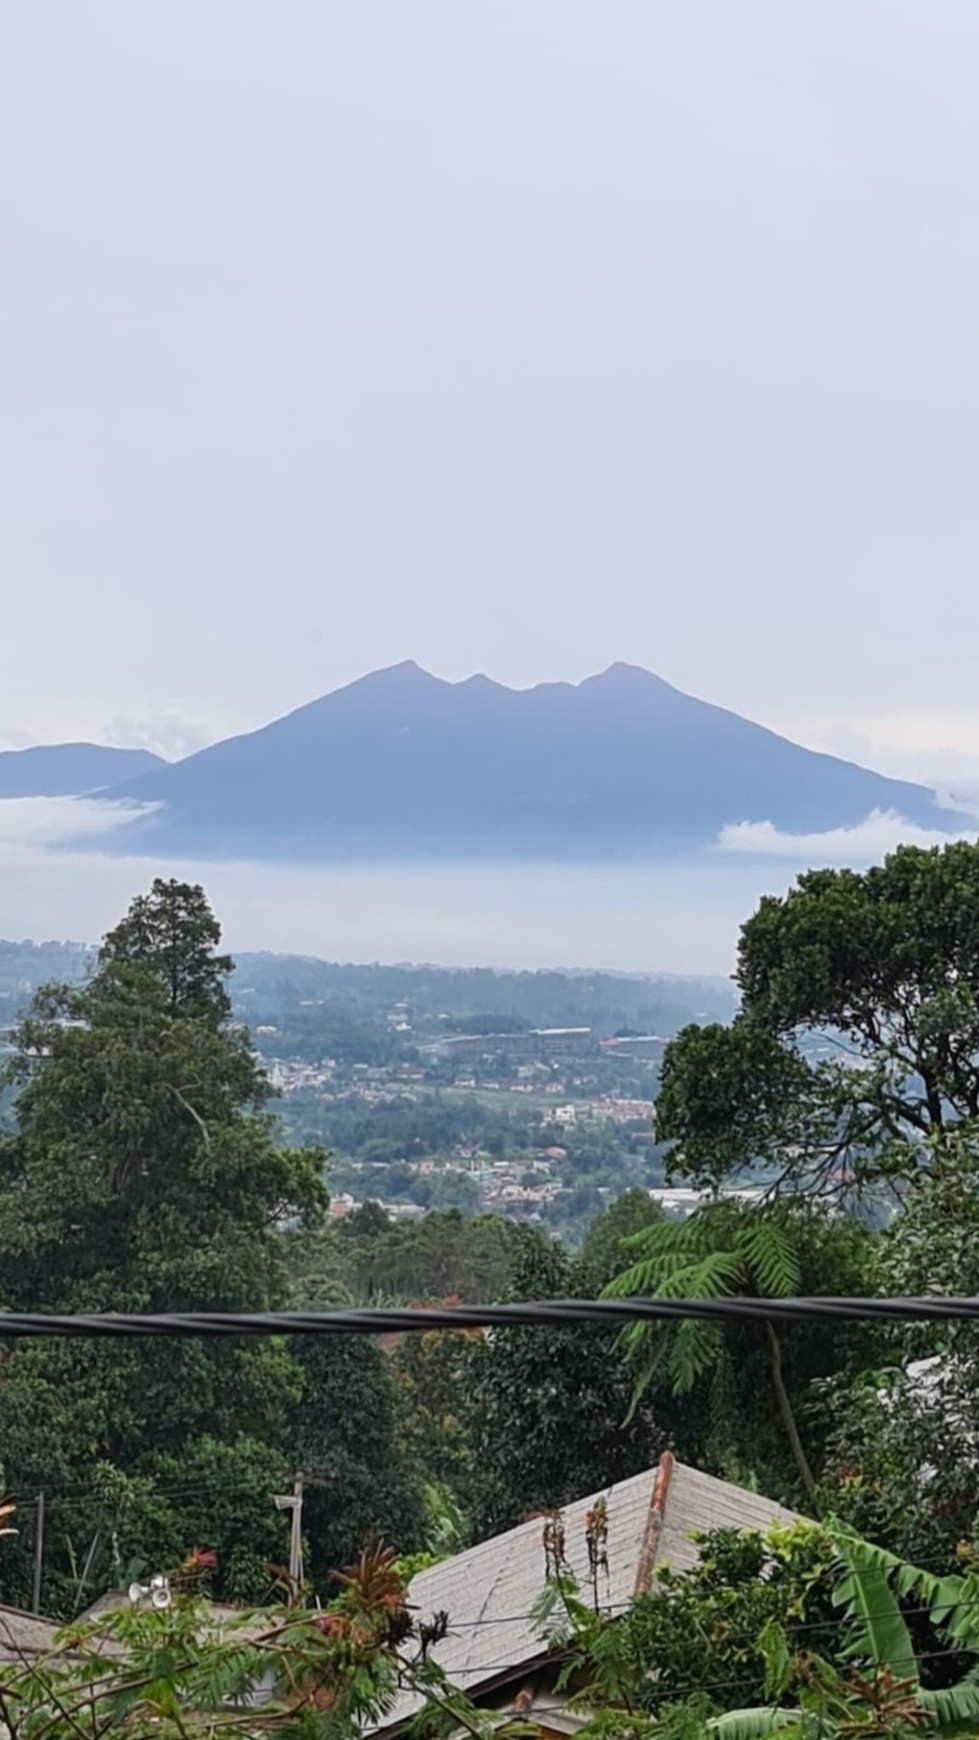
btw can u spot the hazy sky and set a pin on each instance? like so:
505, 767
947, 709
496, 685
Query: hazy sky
513, 335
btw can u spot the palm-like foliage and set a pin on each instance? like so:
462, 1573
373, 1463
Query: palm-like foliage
757, 1724
882, 1693
719, 1252
874, 1582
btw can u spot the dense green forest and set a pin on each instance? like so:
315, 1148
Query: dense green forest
145, 1167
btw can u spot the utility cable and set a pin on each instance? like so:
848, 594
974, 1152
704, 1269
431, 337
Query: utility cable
554, 1312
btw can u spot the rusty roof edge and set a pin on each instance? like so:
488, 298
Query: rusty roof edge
654, 1523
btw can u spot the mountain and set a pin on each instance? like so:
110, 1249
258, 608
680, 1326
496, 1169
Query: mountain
401, 765
70, 769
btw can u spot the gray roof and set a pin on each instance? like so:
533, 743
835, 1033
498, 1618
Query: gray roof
489, 1592
25, 1634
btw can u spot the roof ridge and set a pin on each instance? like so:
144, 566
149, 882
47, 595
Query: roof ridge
654, 1522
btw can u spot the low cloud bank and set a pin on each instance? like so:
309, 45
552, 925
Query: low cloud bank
41, 821
680, 918
670, 919
866, 843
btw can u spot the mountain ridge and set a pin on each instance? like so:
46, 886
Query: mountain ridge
70, 769
402, 765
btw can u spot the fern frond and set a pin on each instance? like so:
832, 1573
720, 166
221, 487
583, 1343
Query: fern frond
696, 1347
693, 1346
648, 1275
714, 1276
770, 1253
692, 1234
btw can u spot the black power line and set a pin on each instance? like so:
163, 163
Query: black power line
555, 1312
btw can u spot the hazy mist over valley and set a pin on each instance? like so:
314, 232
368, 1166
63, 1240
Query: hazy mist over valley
679, 916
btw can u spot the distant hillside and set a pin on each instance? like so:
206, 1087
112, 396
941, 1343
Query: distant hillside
264, 986
24, 966
401, 765
70, 769
659, 1003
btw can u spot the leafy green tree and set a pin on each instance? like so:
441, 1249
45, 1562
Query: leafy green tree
699, 1632
143, 1174
878, 1682
445, 1255
805, 1632
430, 1372
857, 1039
902, 1459
345, 1433
172, 935
543, 1408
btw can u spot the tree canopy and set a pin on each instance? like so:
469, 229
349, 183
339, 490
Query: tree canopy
144, 1174
857, 1038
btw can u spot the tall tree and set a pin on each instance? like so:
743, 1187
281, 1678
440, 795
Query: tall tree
857, 1041
345, 1434
543, 1408
172, 935
143, 1174
903, 1462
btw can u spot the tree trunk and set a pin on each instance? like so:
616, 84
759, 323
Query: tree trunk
786, 1414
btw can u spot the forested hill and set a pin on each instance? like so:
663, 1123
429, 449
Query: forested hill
603, 1001
70, 769
264, 985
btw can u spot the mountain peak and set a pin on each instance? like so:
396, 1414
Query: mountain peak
621, 675
401, 682
402, 765
633, 687
408, 671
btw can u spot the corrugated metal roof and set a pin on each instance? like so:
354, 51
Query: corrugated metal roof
490, 1590
25, 1634
697, 1501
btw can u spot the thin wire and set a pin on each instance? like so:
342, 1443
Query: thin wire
92, 1500
670, 1693
556, 1312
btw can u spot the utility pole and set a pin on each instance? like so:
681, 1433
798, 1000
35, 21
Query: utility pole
296, 1534
293, 1501
38, 1552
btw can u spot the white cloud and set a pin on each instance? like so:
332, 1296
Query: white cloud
44, 821
878, 833
962, 796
